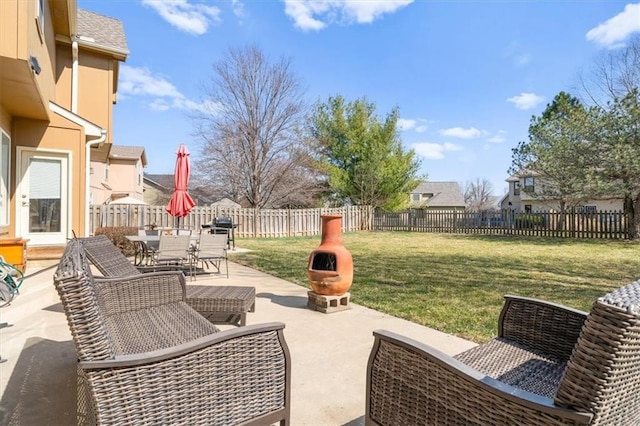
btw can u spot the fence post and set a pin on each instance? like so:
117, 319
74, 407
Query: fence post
455, 221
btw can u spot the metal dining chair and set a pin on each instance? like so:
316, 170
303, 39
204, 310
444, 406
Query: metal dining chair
173, 250
145, 250
210, 250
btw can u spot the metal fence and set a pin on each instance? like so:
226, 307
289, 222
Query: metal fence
574, 224
252, 223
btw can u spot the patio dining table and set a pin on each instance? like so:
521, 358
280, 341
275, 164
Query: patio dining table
142, 246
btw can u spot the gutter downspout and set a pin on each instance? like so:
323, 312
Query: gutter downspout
74, 77
87, 177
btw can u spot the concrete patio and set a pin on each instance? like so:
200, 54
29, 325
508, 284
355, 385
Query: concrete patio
329, 351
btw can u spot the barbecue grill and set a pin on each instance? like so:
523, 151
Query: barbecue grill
224, 225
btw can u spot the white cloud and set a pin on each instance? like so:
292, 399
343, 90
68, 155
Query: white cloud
459, 132
160, 94
206, 107
522, 59
317, 14
514, 52
417, 125
140, 81
448, 146
187, 17
434, 151
614, 30
159, 105
499, 137
238, 8
526, 100
405, 124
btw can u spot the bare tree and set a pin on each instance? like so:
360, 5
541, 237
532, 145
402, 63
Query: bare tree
478, 195
614, 88
252, 150
614, 74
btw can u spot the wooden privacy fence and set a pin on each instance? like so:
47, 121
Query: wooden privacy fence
605, 224
252, 223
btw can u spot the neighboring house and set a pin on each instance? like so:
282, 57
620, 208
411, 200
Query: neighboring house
58, 83
494, 202
226, 203
522, 196
437, 196
120, 176
158, 189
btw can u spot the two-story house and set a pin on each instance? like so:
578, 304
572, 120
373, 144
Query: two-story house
437, 196
58, 83
120, 176
525, 195
158, 189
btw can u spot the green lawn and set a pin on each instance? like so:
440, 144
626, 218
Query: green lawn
455, 283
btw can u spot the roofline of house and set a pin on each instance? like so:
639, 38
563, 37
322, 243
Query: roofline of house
120, 54
144, 177
90, 129
142, 157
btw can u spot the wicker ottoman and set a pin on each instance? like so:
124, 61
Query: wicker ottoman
222, 304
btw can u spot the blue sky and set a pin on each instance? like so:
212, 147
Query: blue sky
466, 75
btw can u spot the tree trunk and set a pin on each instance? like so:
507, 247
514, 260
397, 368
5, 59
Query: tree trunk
562, 217
632, 210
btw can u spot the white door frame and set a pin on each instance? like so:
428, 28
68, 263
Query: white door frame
22, 218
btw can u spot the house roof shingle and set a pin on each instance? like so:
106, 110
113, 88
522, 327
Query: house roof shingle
101, 31
445, 194
165, 181
201, 194
121, 152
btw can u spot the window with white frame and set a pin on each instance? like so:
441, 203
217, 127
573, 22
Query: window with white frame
5, 150
529, 184
40, 17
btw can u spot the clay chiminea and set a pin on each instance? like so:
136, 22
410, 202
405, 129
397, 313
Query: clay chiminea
330, 267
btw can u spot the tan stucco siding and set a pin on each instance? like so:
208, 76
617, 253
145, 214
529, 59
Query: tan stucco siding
99, 193
63, 76
9, 22
123, 178
5, 120
94, 86
21, 38
58, 135
42, 47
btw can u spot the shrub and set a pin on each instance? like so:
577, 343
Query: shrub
117, 235
530, 221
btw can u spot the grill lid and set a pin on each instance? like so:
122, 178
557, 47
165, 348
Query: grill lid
223, 222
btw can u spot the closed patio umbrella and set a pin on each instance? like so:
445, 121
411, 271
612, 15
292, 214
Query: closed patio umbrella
181, 202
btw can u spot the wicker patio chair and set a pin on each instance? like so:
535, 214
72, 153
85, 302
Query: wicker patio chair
146, 357
549, 365
221, 304
110, 261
